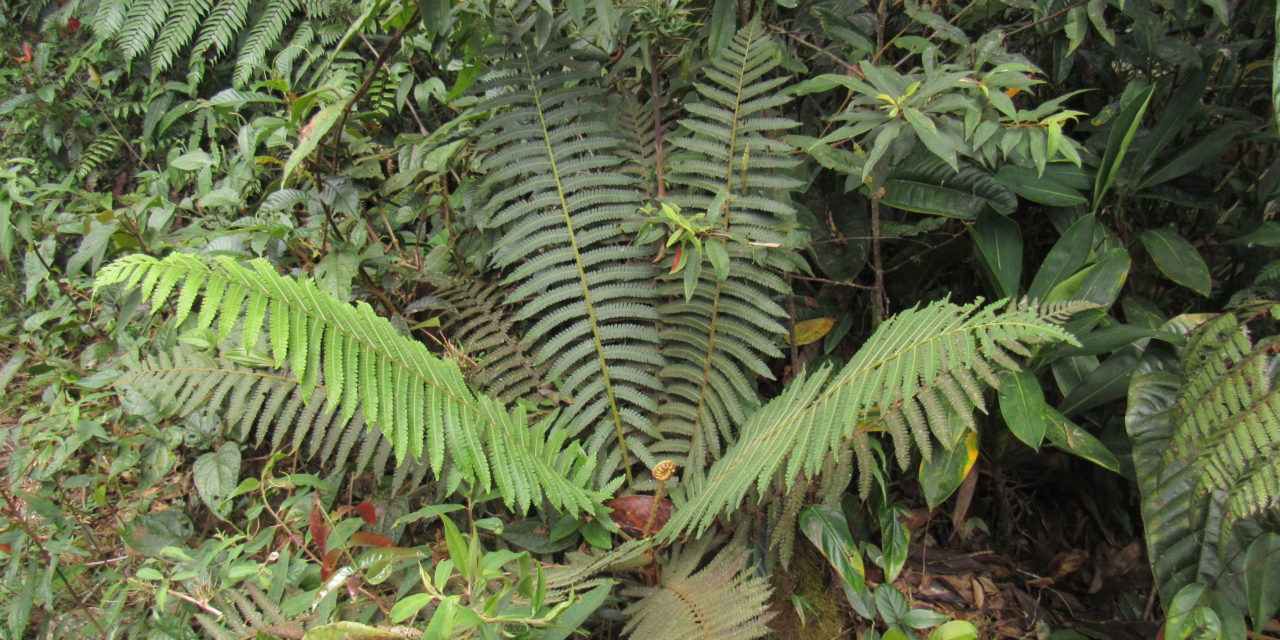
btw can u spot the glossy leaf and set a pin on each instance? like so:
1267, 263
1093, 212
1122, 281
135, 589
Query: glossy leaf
1041, 189
999, 244
1067, 256
812, 330
1023, 407
1178, 259
941, 474
929, 186
826, 527
1261, 587
1119, 136
1070, 437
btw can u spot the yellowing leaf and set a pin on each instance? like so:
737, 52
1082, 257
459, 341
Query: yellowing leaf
813, 330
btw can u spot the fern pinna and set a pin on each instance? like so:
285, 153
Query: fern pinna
420, 402
919, 365
554, 191
717, 340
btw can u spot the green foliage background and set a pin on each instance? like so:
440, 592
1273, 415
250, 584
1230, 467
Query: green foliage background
325, 317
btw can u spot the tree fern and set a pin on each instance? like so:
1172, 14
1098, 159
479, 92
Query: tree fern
177, 31
554, 190
420, 402
266, 408
721, 600
916, 367
140, 26
719, 339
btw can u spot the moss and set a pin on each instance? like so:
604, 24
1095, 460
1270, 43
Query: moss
809, 579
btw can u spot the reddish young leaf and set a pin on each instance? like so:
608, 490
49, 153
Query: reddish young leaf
675, 260
319, 528
368, 539
368, 512
631, 513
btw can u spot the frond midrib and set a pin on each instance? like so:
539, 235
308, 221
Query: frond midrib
563, 204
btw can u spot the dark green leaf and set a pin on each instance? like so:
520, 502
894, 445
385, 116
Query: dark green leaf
1023, 407
1119, 136
825, 526
1261, 588
941, 474
1041, 189
1178, 259
216, 475
1067, 256
999, 244
1070, 437
927, 185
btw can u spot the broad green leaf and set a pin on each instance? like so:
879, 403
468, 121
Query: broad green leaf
1023, 407
1041, 189
1261, 586
895, 540
571, 618
1119, 136
1097, 16
1067, 256
409, 606
1105, 278
1208, 148
826, 527
311, 136
215, 475
942, 473
927, 185
193, 160
999, 244
1189, 617
722, 26
1108, 381
955, 630
1070, 437
923, 618
1178, 259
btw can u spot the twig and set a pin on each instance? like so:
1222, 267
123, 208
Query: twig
207, 609
838, 60
1044, 19
655, 93
879, 301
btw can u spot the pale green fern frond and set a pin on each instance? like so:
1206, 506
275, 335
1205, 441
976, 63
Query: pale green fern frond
554, 191
267, 408
722, 600
898, 381
266, 32
420, 402
718, 340
140, 26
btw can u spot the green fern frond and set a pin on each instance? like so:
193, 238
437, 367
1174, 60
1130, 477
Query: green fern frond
896, 382
481, 325
554, 190
102, 149
177, 32
264, 34
109, 17
140, 26
1228, 412
267, 408
722, 600
420, 402
244, 618
716, 342
219, 30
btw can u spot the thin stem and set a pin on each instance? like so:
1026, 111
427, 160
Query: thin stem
879, 301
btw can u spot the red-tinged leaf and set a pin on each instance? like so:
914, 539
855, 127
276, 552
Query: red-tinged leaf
26, 53
368, 512
675, 261
319, 528
368, 539
5, 548
73, 25
631, 513
330, 561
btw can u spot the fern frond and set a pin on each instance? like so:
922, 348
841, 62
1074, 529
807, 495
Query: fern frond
719, 601
265, 33
266, 408
554, 190
177, 32
226, 20
102, 149
719, 340
140, 25
1228, 412
899, 374
109, 17
481, 325
417, 400
249, 617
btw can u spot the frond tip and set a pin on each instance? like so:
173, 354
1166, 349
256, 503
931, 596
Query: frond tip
419, 401
916, 368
